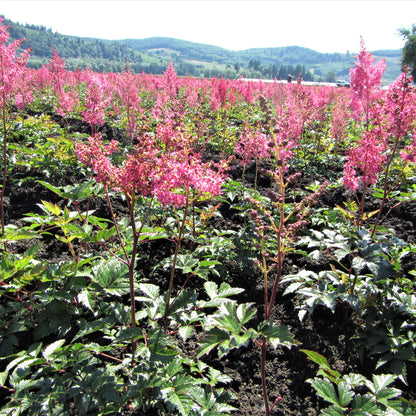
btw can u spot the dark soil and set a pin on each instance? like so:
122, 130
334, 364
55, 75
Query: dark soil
287, 369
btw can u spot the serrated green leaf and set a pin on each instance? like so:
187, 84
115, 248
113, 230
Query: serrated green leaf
185, 332
277, 335
86, 298
381, 381
129, 334
112, 276
185, 298
364, 405
333, 410
386, 394
50, 208
151, 291
325, 389
3, 377
401, 408
353, 379
51, 348
345, 394
50, 187
224, 291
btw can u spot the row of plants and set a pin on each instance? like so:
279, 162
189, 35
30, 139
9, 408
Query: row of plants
126, 164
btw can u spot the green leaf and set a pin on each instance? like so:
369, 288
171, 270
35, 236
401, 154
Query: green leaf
185, 331
345, 394
50, 187
325, 368
277, 335
186, 262
222, 339
224, 291
129, 334
51, 208
333, 410
185, 298
86, 298
150, 291
113, 276
380, 382
51, 348
228, 318
364, 405
401, 408
354, 380
325, 389
3, 377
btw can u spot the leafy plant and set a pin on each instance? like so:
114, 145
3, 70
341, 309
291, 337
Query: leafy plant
353, 394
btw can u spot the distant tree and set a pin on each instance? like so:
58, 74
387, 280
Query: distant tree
254, 64
409, 49
330, 76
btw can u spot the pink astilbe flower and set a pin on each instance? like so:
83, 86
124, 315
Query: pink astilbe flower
170, 80
96, 101
365, 162
184, 171
87, 152
149, 172
253, 145
366, 79
339, 118
56, 70
68, 101
11, 65
24, 88
400, 107
287, 131
127, 90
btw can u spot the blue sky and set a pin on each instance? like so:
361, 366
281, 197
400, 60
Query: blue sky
326, 26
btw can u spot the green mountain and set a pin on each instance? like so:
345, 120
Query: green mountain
152, 55
267, 59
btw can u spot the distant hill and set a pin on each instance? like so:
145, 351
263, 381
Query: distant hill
318, 63
152, 55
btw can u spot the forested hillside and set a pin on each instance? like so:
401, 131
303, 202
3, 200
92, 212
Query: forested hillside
152, 55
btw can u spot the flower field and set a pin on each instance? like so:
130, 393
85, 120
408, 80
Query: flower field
183, 246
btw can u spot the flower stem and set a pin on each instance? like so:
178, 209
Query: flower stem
175, 257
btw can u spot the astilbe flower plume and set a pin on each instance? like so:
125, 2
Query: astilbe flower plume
149, 172
365, 81
127, 91
339, 118
365, 161
96, 101
11, 65
253, 145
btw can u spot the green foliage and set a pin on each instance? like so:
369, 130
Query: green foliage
409, 49
346, 394
360, 270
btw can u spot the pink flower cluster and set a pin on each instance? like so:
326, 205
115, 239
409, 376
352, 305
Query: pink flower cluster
365, 161
147, 171
253, 145
392, 120
12, 66
365, 83
96, 101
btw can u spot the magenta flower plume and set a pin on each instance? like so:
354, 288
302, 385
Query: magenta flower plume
96, 101
366, 161
253, 145
11, 65
182, 171
365, 82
